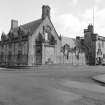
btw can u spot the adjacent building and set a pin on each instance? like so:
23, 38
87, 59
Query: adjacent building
33, 43
38, 42
73, 52
94, 46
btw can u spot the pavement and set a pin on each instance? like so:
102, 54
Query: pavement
84, 86
100, 78
51, 85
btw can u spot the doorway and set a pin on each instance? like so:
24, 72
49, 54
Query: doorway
38, 50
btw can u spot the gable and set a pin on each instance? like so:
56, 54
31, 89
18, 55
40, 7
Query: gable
47, 25
68, 41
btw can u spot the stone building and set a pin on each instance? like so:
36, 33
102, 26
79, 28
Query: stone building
37, 42
94, 46
33, 43
72, 51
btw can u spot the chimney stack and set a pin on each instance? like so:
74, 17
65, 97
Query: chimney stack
91, 28
14, 24
45, 11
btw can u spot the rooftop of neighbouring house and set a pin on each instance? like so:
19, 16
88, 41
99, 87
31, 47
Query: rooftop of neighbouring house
69, 41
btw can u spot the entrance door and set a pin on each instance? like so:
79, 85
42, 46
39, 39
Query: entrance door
19, 58
38, 52
50, 55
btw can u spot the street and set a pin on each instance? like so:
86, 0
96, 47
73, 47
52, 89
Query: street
52, 85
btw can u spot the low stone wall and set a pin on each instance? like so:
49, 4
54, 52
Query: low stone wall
72, 59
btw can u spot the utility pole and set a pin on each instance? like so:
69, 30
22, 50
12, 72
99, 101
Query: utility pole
93, 20
94, 29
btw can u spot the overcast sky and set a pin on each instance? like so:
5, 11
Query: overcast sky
69, 17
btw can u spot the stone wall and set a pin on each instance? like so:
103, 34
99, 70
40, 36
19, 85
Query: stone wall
72, 59
9, 53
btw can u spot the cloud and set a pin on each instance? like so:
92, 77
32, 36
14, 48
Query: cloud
69, 25
72, 3
99, 19
99, 22
98, 1
75, 2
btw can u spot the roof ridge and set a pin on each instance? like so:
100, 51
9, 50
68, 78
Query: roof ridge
31, 22
32, 26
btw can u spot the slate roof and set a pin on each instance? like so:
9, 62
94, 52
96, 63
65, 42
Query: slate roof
68, 41
30, 27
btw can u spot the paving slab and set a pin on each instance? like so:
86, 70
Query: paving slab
84, 86
100, 78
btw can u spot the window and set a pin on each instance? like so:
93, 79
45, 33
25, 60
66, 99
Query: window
103, 44
52, 40
1, 56
9, 55
104, 56
10, 45
99, 45
46, 36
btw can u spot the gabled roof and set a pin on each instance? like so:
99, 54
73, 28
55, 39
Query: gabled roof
29, 27
69, 41
32, 26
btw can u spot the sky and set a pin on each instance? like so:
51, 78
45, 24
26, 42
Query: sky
69, 17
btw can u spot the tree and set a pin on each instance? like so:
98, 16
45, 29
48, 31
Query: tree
65, 50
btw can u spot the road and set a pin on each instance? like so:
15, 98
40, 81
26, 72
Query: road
52, 85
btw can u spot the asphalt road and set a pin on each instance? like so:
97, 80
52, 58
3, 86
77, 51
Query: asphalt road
52, 85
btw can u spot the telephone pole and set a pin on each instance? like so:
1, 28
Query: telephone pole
93, 20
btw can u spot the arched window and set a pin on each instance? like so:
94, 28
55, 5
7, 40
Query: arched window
46, 36
39, 38
52, 40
